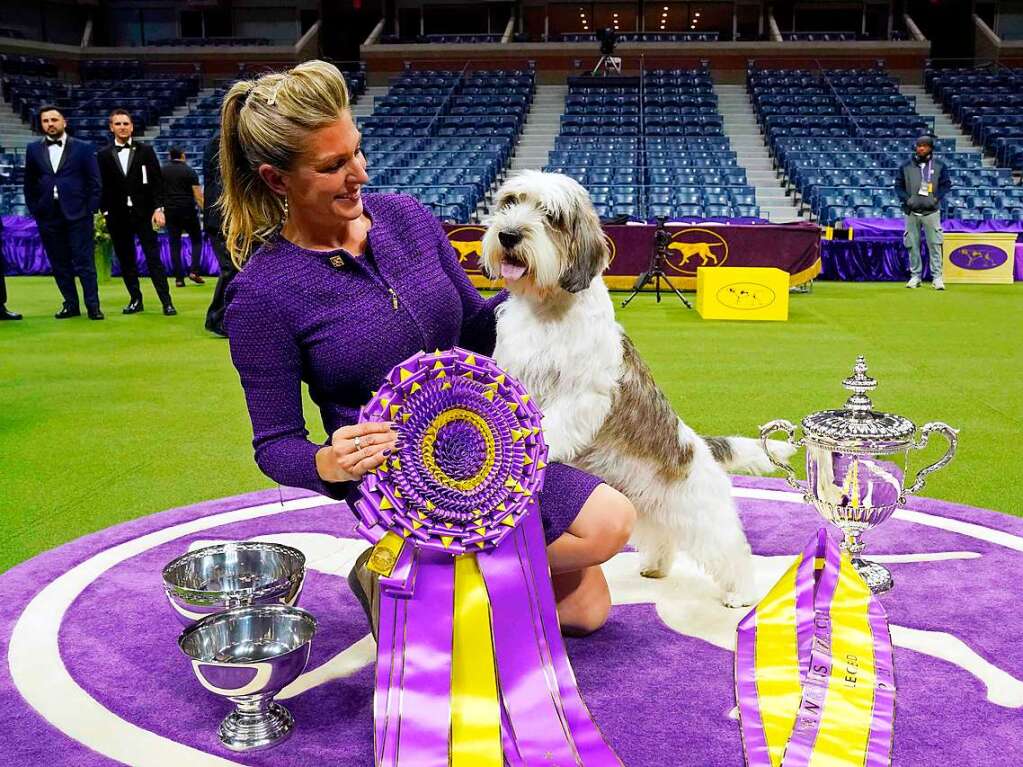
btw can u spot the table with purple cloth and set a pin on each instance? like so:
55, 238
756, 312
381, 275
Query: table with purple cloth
793, 248
876, 252
24, 255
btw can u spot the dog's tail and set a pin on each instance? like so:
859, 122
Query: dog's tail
746, 456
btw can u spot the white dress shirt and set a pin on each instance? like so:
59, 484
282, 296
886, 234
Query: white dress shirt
122, 157
56, 151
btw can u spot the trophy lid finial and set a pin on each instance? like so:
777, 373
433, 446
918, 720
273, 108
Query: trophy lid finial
859, 383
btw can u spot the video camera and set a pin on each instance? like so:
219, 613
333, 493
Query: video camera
608, 38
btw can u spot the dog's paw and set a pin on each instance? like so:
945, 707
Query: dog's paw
653, 572
738, 599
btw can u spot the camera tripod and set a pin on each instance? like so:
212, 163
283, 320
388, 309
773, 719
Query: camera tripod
655, 271
607, 64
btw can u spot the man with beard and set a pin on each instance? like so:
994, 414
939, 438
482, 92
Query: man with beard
62, 191
922, 183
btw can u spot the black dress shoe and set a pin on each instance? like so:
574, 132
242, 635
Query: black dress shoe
169, 310
66, 313
96, 314
180, 283
134, 307
6, 314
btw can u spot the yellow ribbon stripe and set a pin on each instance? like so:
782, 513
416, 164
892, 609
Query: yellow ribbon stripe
475, 709
844, 732
777, 664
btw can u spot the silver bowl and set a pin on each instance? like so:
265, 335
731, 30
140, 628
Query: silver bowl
217, 578
248, 655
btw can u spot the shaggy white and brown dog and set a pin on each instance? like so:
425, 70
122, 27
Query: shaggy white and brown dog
603, 412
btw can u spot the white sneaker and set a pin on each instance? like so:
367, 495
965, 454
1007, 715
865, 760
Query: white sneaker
938, 283
914, 282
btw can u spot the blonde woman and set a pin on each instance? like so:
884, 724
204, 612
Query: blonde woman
342, 286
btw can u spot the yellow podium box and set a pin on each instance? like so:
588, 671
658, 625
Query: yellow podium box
978, 257
742, 293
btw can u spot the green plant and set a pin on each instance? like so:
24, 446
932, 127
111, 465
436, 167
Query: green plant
100, 236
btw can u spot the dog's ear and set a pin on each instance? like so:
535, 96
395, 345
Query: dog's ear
587, 250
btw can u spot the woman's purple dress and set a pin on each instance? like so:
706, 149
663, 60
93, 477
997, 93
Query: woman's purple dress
341, 323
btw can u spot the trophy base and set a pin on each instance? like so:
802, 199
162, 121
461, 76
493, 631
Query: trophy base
243, 731
877, 577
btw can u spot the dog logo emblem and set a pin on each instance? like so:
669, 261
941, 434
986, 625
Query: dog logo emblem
468, 244
746, 295
978, 257
692, 248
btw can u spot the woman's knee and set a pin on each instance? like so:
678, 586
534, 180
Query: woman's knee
586, 619
617, 518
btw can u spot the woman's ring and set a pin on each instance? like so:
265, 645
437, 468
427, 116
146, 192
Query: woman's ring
357, 445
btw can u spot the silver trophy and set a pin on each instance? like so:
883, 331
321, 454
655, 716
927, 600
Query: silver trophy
248, 655
856, 462
216, 578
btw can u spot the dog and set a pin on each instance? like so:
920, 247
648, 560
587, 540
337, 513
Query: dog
603, 412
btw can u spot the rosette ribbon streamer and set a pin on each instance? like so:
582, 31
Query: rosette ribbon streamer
814, 669
471, 667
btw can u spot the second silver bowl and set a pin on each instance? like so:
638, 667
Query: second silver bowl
239, 574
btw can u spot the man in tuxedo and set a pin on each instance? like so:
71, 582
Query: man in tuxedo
62, 191
133, 205
213, 225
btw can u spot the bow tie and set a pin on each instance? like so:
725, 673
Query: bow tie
54, 142
119, 147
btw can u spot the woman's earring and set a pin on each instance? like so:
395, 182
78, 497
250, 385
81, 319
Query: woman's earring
285, 207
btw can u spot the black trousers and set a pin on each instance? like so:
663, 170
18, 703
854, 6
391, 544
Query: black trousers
70, 249
3, 269
123, 231
187, 221
215, 314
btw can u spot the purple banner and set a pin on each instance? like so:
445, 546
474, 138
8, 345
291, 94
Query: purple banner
876, 252
24, 254
794, 248
868, 227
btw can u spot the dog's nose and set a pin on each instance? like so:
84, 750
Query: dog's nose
509, 239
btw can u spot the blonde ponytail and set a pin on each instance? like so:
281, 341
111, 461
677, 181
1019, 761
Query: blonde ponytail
267, 121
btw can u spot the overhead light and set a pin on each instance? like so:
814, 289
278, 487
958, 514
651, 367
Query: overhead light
665, 7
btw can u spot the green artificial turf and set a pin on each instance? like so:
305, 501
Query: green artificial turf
102, 422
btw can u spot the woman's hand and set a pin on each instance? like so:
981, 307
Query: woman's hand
354, 450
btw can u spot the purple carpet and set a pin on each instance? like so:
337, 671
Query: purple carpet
112, 686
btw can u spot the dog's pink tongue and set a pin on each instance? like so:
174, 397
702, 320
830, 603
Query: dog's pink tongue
511, 271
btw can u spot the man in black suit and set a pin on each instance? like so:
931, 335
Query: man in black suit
62, 191
133, 206
5, 313
213, 224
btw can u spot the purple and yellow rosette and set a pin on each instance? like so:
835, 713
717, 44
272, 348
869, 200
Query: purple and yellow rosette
471, 668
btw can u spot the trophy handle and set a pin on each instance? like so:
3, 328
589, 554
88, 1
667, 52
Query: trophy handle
781, 425
952, 435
